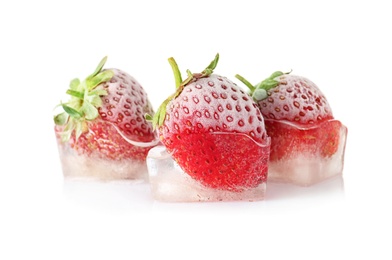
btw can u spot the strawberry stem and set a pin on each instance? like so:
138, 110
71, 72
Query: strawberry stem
247, 83
259, 91
176, 72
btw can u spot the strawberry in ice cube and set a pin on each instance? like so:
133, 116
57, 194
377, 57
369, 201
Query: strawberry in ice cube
307, 143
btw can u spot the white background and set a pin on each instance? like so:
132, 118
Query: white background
343, 46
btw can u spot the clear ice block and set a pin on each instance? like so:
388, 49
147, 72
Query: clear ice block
79, 165
304, 163
170, 183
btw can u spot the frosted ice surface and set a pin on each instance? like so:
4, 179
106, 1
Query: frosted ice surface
308, 169
83, 166
170, 183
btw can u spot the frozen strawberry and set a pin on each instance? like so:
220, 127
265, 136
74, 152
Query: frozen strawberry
299, 120
214, 131
104, 119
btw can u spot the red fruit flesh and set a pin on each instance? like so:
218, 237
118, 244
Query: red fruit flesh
103, 140
289, 140
232, 162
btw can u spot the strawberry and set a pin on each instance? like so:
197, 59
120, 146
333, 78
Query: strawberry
105, 117
297, 116
214, 131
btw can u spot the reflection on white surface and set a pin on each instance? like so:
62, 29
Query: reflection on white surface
333, 187
112, 196
135, 196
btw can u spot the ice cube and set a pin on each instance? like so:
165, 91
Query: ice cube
170, 183
83, 166
309, 162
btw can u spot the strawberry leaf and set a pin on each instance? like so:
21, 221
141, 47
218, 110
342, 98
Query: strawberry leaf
99, 67
90, 111
74, 84
98, 92
276, 74
79, 129
159, 116
72, 112
75, 93
94, 97
260, 94
259, 91
210, 68
61, 119
99, 78
148, 118
267, 84
188, 79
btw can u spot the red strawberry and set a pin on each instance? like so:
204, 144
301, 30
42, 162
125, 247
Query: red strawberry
297, 116
105, 117
214, 131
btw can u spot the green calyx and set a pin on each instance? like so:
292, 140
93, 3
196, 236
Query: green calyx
159, 116
259, 91
84, 102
